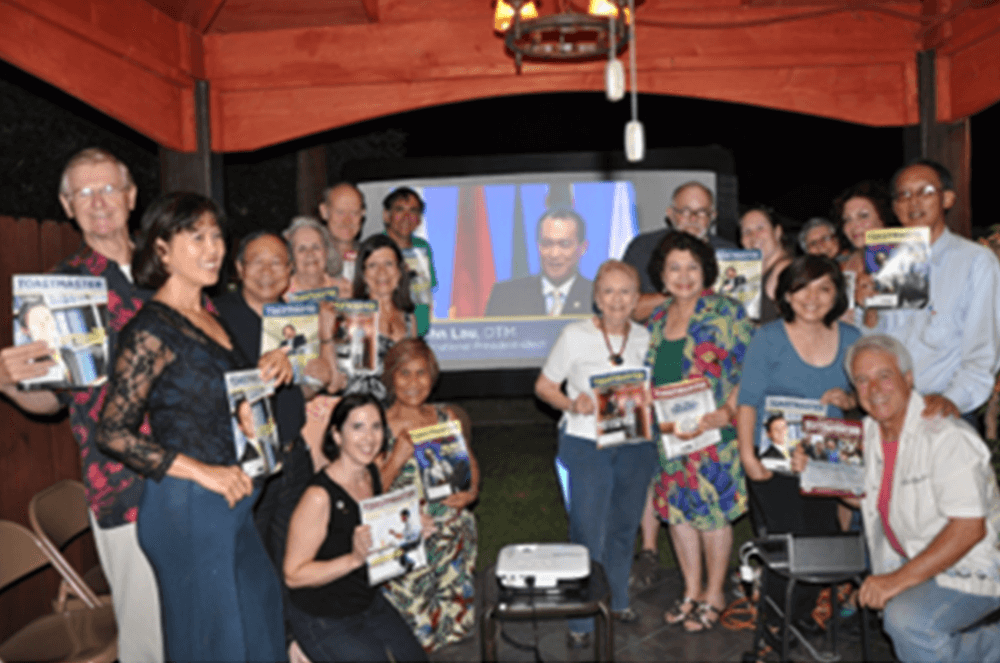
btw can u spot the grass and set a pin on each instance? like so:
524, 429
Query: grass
520, 500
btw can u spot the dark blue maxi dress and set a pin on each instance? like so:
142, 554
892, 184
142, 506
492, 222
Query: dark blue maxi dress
221, 600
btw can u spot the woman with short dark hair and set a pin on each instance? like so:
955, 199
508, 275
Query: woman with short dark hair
221, 600
696, 333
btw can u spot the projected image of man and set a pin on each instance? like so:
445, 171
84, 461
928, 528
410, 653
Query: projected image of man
559, 289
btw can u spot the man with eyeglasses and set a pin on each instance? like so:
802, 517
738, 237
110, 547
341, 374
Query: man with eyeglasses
559, 289
955, 339
692, 210
818, 237
97, 191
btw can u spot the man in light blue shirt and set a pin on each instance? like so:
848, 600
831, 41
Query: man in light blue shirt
955, 339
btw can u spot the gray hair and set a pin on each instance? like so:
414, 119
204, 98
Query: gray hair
882, 343
815, 222
92, 156
334, 263
694, 184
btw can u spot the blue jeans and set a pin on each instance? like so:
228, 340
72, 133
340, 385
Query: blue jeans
607, 494
925, 621
369, 635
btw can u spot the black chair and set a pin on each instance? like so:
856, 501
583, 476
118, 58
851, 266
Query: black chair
819, 560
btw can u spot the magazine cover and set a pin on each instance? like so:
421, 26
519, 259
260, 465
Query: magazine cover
740, 277
781, 429
623, 411
836, 457
899, 261
70, 313
254, 431
682, 404
419, 265
397, 544
356, 336
293, 327
318, 295
850, 284
443, 459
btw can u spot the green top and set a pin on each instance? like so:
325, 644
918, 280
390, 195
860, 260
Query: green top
667, 368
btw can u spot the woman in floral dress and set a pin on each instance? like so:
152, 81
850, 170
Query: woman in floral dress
695, 333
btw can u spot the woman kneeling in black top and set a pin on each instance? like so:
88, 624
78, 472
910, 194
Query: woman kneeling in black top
335, 614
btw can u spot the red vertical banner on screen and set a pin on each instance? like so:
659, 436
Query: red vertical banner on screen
474, 273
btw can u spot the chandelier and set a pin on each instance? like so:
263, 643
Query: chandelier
568, 34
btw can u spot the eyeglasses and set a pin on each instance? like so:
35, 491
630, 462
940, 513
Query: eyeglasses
685, 212
926, 191
813, 243
87, 193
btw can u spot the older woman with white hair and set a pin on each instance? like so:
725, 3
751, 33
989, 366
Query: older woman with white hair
819, 237
316, 262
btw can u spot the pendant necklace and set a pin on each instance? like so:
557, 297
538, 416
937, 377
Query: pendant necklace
616, 357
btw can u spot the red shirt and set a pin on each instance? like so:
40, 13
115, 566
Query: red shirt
889, 451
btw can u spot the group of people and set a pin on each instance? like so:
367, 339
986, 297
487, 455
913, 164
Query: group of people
234, 568
931, 512
205, 563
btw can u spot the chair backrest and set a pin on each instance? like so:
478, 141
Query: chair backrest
20, 553
58, 514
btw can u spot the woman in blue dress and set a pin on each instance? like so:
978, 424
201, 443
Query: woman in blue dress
221, 600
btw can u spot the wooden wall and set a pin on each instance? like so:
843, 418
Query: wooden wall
35, 452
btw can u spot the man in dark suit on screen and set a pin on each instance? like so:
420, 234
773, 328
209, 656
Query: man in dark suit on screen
559, 289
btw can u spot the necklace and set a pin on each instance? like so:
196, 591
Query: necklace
616, 357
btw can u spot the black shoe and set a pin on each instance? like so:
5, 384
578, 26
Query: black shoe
626, 616
578, 640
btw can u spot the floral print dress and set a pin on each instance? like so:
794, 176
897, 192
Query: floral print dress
706, 488
438, 601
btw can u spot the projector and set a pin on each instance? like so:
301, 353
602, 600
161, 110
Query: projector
542, 565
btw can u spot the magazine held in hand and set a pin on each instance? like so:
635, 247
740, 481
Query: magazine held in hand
740, 273
69, 313
356, 337
442, 458
294, 328
781, 429
836, 457
621, 399
899, 260
419, 266
683, 404
330, 294
254, 430
397, 542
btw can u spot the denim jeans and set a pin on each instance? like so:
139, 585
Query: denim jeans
607, 495
370, 635
925, 624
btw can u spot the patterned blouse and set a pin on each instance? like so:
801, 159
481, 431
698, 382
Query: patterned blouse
718, 334
113, 490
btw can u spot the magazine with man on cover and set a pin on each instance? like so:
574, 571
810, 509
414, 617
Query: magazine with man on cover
294, 328
781, 429
355, 336
328, 294
899, 260
739, 277
622, 404
419, 266
397, 539
69, 313
255, 433
835, 450
442, 458
679, 408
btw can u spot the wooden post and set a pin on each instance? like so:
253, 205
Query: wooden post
310, 179
948, 144
201, 171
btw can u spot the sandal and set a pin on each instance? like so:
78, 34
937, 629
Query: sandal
705, 618
681, 611
645, 571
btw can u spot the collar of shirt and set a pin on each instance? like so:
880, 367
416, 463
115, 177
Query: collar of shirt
549, 289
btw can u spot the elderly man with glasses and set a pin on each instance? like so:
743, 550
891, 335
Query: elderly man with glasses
955, 339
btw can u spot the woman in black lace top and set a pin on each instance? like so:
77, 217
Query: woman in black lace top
220, 597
